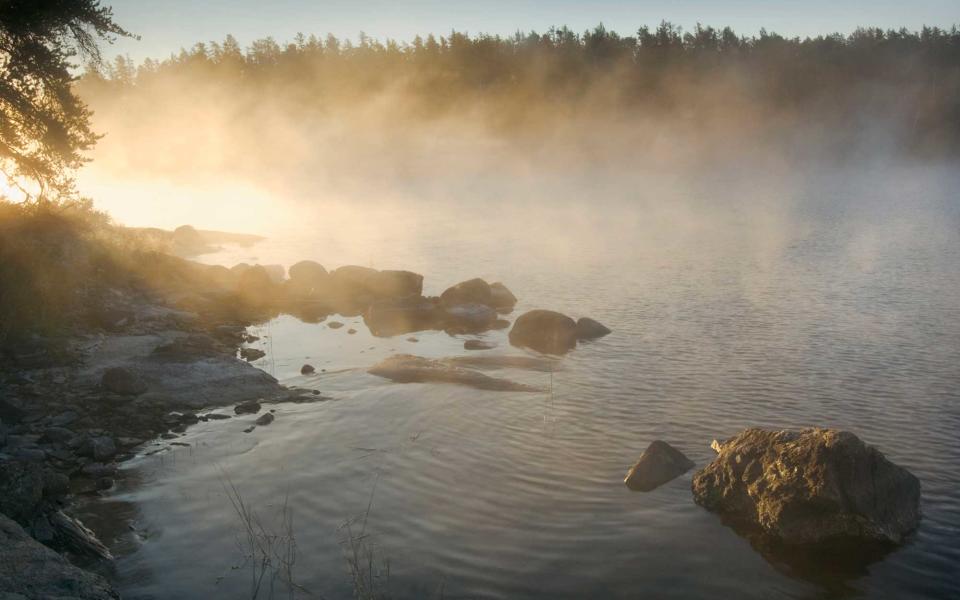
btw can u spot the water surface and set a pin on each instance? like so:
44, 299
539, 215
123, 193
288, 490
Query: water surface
835, 303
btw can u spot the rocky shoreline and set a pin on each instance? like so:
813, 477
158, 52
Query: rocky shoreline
146, 357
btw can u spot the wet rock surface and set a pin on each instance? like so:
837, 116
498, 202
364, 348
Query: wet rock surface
658, 464
28, 569
808, 487
588, 329
407, 368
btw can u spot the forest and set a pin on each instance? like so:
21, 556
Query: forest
906, 81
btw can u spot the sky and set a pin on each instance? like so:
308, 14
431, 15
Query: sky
169, 25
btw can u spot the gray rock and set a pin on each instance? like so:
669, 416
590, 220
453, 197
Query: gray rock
29, 569
658, 464
406, 368
21, 489
545, 331
588, 329
64, 419
96, 470
810, 486
121, 380
247, 408
251, 354
103, 448
55, 485
307, 370
264, 419
58, 435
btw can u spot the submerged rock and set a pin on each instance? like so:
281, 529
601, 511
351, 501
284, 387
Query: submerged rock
264, 419
334, 324
478, 345
406, 368
487, 361
545, 331
588, 329
658, 464
469, 318
810, 486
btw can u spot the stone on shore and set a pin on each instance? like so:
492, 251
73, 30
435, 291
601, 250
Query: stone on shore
545, 331
658, 464
307, 370
246, 408
810, 486
251, 354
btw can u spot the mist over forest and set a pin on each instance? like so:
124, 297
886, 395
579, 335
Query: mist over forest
658, 99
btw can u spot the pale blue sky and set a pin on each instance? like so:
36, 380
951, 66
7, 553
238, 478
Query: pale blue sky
168, 25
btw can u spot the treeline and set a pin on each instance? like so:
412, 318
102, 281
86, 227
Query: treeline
911, 77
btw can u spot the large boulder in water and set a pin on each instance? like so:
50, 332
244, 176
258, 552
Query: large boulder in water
658, 464
307, 277
544, 331
810, 486
472, 291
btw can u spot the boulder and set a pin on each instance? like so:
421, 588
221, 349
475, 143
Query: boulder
121, 380
588, 329
406, 368
265, 419
358, 287
472, 291
544, 331
21, 489
502, 298
249, 407
28, 569
308, 272
307, 370
658, 464
810, 486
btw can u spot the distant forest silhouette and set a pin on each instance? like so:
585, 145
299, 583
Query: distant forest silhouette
908, 82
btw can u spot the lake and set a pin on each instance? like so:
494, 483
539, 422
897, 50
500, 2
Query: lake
830, 299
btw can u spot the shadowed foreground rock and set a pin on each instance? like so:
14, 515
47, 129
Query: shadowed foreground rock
810, 486
28, 569
407, 368
658, 464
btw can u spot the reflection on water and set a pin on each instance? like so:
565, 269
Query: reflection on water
836, 305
